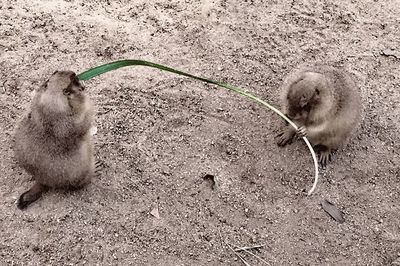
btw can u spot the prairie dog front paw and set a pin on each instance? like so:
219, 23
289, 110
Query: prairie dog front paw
301, 132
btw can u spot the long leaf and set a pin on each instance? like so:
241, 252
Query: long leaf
93, 72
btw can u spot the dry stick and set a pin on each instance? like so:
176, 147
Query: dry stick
247, 248
258, 257
237, 254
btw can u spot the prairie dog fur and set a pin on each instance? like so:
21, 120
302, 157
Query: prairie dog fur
52, 141
325, 103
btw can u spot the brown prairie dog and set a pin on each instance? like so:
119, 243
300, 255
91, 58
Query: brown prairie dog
52, 142
325, 104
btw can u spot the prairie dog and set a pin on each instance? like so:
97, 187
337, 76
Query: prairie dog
325, 104
52, 142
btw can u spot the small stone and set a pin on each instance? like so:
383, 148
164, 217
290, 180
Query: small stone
155, 213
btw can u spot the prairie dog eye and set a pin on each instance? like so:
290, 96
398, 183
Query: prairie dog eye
67, 92
76, 83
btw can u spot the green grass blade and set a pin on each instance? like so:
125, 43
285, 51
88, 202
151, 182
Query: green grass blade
93, 72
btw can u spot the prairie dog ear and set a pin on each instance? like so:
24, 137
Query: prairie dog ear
299, 79
43, 86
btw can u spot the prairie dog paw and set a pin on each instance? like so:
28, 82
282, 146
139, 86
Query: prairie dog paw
284, 138
325, 157
301, 132
93, 131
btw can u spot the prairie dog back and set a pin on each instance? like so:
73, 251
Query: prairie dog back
52, 142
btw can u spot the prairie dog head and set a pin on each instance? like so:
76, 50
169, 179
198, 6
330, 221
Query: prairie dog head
305, 94
62, 93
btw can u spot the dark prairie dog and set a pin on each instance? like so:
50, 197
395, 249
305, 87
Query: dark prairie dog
325, 103
52, 142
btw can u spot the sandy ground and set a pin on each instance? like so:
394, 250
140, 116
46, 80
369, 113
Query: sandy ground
159, 134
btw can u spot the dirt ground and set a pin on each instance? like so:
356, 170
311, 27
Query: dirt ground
159, 135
